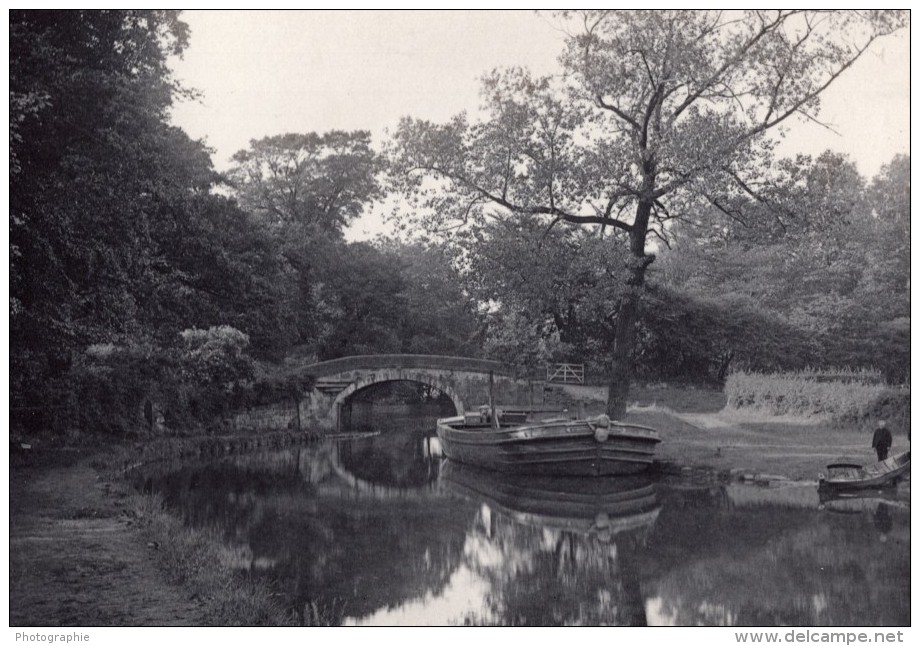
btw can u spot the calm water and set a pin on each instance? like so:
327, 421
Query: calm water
383, 531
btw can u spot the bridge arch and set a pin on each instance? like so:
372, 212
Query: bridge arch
466, 381
373, 379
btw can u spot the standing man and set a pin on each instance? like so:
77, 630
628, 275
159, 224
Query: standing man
881, 440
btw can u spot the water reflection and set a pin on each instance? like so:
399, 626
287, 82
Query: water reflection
561, 551
604, 508
757, 563
326, 537
403, 460
378, 530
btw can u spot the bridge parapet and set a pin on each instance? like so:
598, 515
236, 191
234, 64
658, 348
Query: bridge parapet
407, 361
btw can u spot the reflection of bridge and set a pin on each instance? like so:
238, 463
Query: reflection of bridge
465, 381
353, 486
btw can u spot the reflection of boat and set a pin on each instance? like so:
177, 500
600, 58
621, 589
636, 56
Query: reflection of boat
845, 476
860, 500
602, 506
595, 446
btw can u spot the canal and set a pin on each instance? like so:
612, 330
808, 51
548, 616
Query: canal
380, 530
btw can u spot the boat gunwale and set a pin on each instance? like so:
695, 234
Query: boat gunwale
867, 477
565, 447
579, 427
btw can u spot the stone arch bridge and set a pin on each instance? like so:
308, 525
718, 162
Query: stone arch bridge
464, 380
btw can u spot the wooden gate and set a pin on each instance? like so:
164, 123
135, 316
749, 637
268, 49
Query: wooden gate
565, 373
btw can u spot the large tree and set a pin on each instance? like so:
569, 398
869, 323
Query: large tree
316, 181
661, 115
304, 189
94, 169
115, 234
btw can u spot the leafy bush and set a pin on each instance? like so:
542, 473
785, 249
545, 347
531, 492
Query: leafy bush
273, 388
138, 389
111, 384
215, 370
686, 336
892, 404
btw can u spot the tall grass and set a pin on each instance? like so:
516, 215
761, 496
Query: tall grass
852, 397
198, 561
865, 376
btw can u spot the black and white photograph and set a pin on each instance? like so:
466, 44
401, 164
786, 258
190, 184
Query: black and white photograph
459, 318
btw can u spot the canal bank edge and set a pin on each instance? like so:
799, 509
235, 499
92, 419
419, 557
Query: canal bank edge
88, 550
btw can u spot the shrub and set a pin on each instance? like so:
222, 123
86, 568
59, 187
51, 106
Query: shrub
892, 404
112, 382
194, 385
853, 397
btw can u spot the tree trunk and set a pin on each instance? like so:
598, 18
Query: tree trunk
624, 340
624, 344
724, 362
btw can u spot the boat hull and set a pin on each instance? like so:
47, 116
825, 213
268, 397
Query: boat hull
881, 474
560, 447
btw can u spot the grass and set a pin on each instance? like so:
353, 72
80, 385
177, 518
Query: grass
682, 399
199, 562
326, 615
198, 559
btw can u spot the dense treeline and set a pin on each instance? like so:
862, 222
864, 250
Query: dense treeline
819, 277
146, 289
133, 279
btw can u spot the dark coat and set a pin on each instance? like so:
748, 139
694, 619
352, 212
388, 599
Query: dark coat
881, 437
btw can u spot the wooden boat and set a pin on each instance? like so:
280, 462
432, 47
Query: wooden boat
846, 476
596, 446
605, 507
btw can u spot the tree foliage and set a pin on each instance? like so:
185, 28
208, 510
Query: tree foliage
93, 165
391, 299
657, 139
320, 182
546, 296
115, 235
835, 271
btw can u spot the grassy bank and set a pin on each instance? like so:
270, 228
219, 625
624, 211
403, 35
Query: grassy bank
198, 560
704, 436
87, 549
205, 567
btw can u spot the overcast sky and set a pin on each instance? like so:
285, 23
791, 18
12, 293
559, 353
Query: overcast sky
267, 73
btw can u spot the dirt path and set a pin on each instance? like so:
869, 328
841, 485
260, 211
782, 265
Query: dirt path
76, 561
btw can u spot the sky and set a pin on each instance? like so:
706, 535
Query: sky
264, 73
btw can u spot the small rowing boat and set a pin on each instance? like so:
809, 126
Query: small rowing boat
845, 476
595, 446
